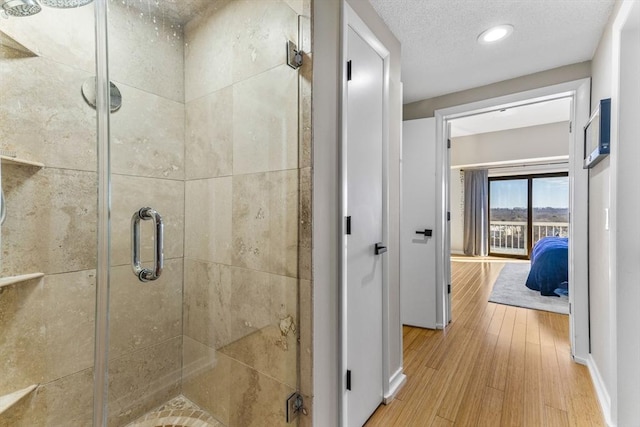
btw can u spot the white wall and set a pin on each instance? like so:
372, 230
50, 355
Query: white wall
602, 294
326, 207
626, 110
615, 268
513, 144
532, 142
567, 73
614, 253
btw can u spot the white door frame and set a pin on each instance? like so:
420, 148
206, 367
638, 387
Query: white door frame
578, 205
353, 21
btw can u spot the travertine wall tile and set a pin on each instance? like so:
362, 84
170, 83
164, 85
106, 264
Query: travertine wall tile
51, 123
265, 222
147, 135
261, 299
144, 314
208, 220
234, 393
22, 336
67, 401
209, 135
68, 36
224, 304
250, 315
207, 296
256, 399
142, 380
146, 52
68, 314
64, 35
265, 122
207, 378
129, 194
261, 31
209, 44
51, 220
272, 350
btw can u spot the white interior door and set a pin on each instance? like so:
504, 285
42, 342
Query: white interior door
417, 236
364, 207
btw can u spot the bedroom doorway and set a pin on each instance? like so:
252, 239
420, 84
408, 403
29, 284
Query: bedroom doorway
578, 94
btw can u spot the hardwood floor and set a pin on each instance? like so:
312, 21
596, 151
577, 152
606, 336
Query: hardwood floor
495, 365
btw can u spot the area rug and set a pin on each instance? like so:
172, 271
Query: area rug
510, 289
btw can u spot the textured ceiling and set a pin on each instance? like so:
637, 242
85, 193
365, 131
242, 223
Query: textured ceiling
440, 54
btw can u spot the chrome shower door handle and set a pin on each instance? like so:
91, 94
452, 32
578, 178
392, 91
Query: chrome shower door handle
144, 274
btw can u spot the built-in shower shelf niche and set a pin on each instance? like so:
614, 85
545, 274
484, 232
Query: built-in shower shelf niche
8, 400
10, 48
18, 161
11, 280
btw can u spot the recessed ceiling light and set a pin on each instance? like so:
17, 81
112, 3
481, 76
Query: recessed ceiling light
494, 34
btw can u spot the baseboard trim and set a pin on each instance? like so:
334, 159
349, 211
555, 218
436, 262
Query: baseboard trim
397, 381
601, 390
581, 360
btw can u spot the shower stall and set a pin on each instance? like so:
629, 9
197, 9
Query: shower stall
155, 263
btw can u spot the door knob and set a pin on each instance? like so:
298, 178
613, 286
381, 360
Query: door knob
426, 232
380, 249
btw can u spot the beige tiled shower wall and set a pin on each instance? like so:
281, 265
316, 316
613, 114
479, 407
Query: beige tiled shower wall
247, 221
47, 328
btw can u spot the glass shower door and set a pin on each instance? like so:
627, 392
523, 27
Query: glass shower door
207, 138
48, 231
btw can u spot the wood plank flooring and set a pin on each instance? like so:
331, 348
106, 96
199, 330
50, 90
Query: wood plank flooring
494, 365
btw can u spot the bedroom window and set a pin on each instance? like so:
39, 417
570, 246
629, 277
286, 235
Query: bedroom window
524, 209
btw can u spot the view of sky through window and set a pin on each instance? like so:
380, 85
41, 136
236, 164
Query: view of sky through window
547, 192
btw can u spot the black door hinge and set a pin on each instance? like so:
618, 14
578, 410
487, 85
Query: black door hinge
348, 70
448, 143
449, 288
448, 216
348, 379
348, 226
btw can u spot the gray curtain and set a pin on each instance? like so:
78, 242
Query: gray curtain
476, 212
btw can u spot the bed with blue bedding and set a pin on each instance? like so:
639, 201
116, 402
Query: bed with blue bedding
550, 266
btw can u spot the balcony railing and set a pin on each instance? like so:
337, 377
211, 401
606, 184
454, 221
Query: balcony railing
510, 237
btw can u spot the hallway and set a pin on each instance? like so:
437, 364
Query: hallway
494, 365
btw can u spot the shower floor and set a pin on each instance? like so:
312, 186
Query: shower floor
178, 412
